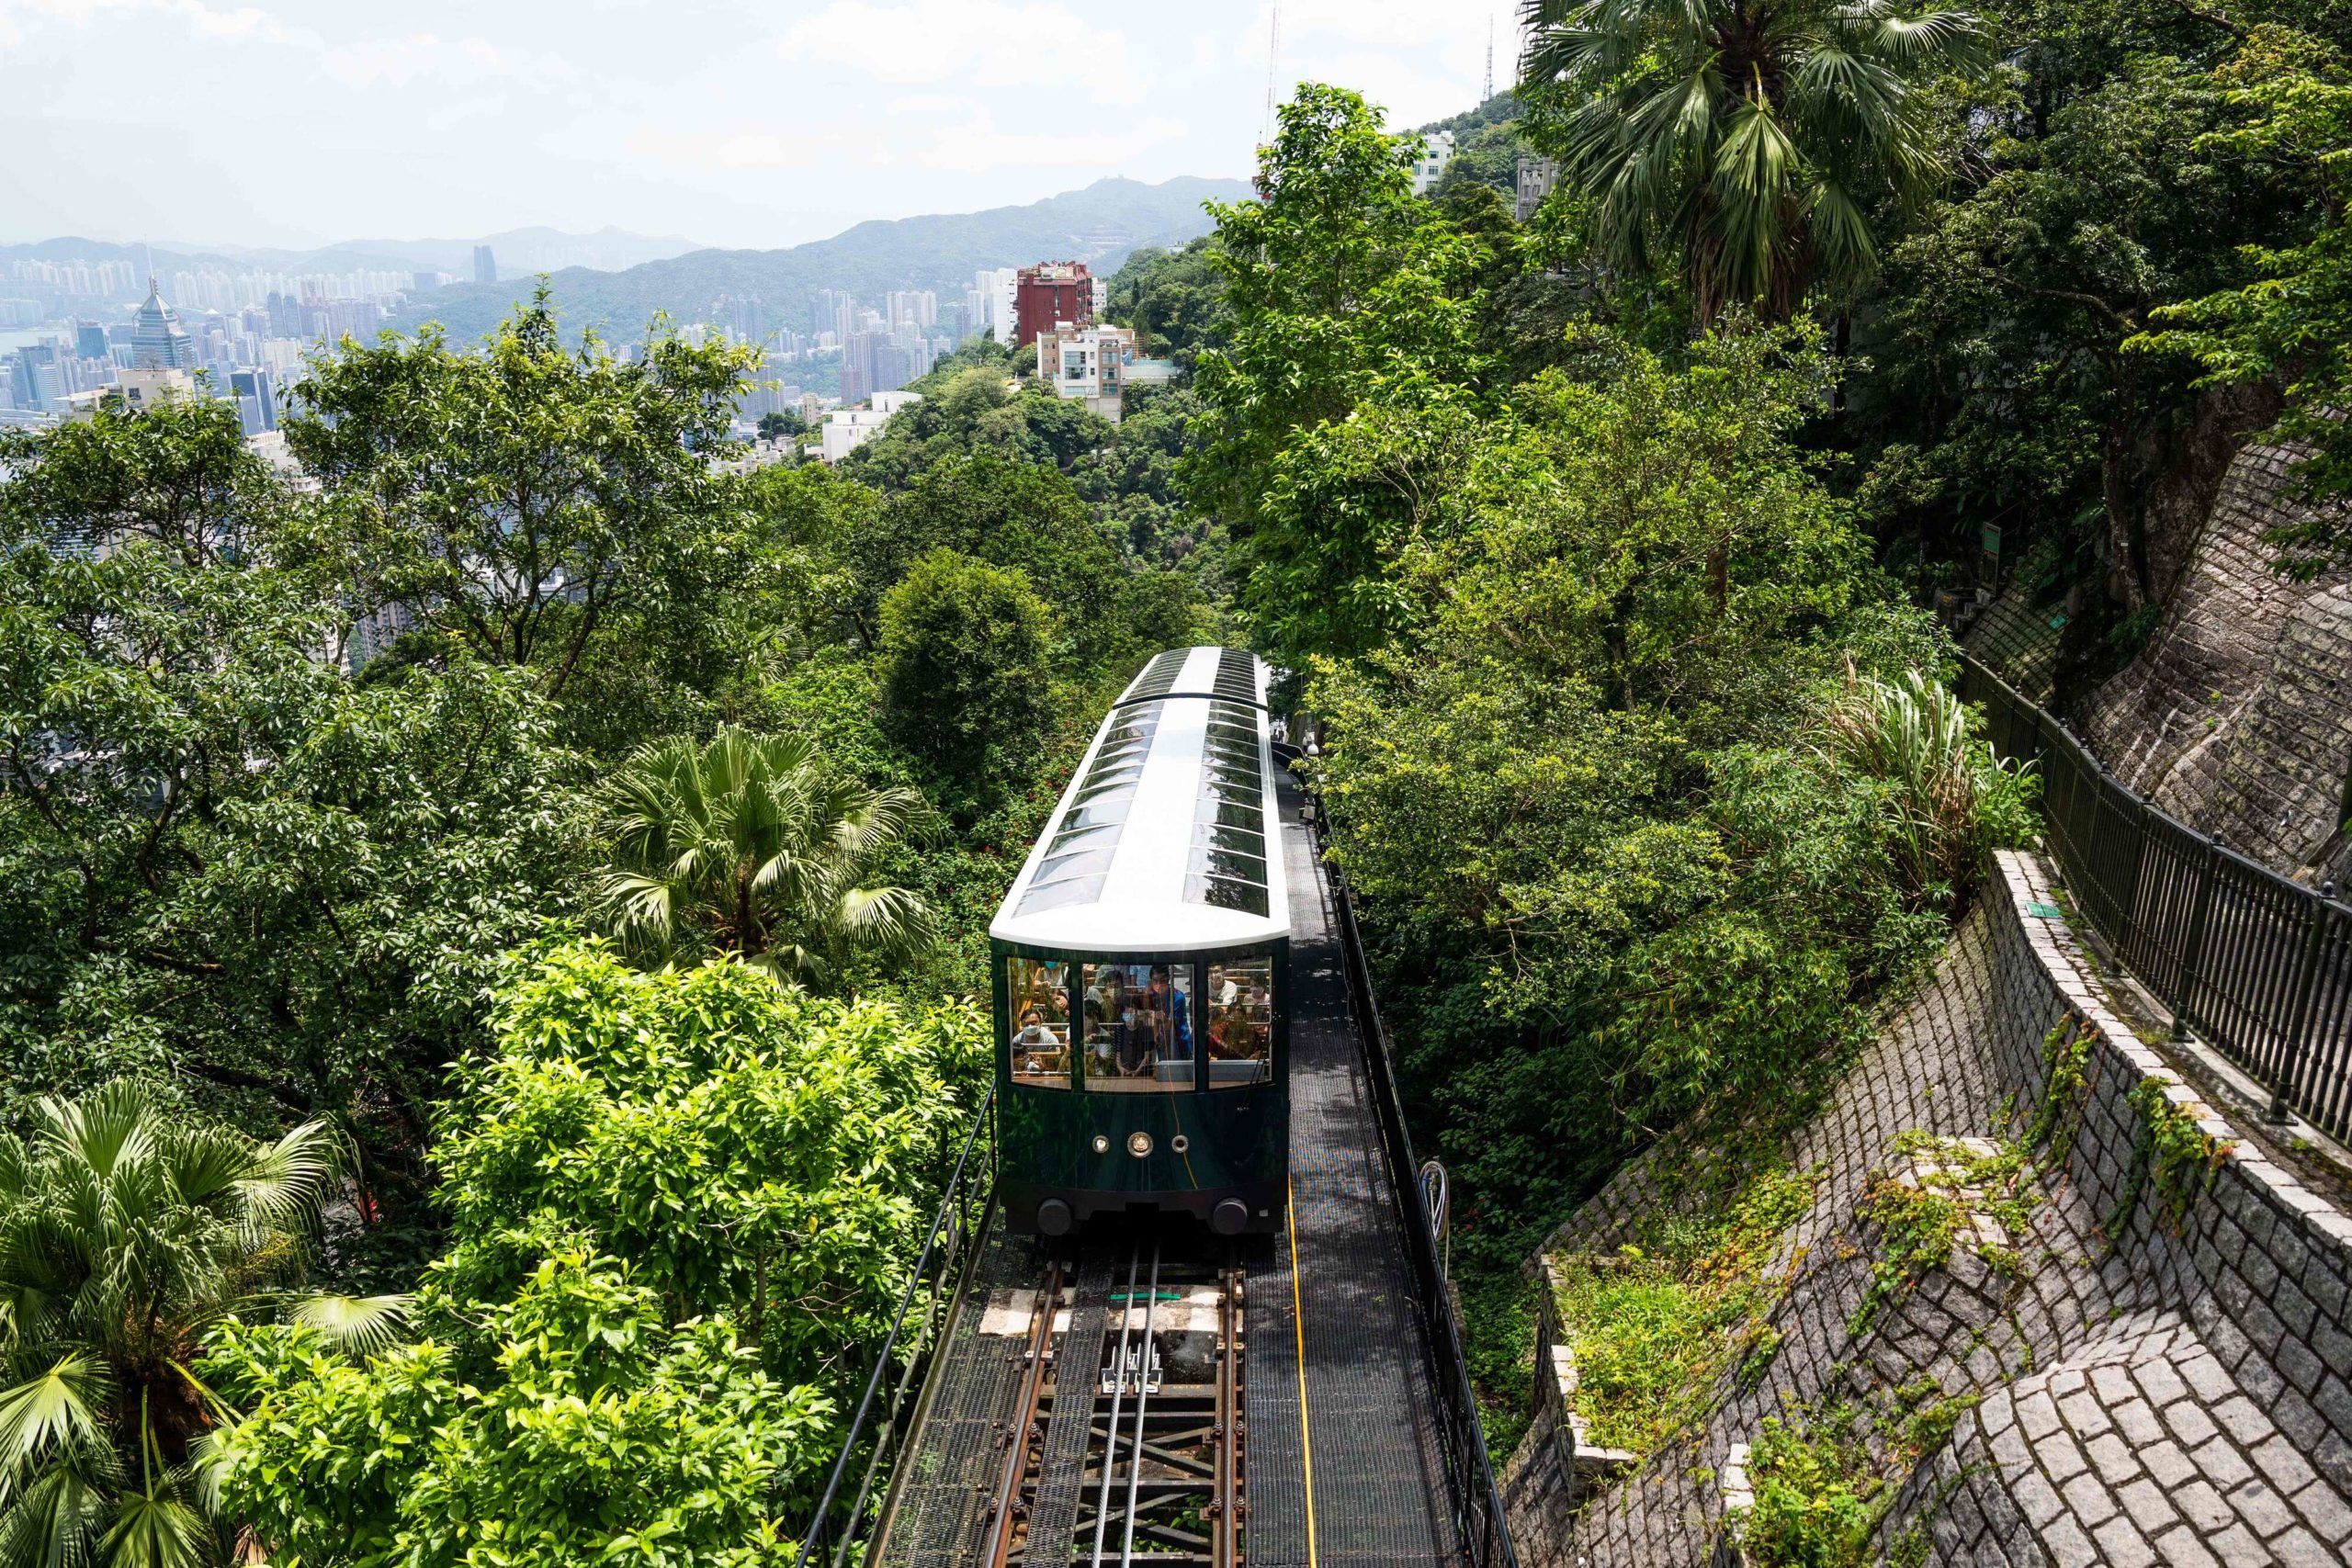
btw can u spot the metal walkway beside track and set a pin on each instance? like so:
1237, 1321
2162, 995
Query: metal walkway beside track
1379, 1491
1328, 1409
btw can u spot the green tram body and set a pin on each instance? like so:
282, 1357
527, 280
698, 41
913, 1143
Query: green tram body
1107, 1128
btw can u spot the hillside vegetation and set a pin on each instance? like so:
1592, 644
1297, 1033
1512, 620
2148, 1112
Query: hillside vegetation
610, 955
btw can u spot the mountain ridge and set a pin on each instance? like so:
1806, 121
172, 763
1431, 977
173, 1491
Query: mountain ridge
1101, 224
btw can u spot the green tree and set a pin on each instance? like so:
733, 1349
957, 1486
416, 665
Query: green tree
682, 1204
2291, 325
1345, 292
2008, 313
1174, 300
234, 865
753, 845
1756, 142
967, 684
177, 475
527, 497
126, 1233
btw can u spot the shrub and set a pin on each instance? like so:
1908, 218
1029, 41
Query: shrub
1949, 802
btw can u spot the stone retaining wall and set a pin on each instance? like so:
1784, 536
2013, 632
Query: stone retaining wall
2233, 717
2151, 1389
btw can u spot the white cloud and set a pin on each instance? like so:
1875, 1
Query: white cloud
987, 43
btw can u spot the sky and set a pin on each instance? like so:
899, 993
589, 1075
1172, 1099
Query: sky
303, 122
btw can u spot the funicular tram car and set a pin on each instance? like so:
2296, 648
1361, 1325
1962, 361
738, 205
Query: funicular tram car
1141, 968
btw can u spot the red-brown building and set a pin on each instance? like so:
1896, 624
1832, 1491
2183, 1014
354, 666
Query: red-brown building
1048, 293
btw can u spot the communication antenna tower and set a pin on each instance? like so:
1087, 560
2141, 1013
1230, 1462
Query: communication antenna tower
1274, 55
1489, 93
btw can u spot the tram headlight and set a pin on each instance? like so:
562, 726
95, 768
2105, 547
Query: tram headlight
1138, 1143
1102, 1143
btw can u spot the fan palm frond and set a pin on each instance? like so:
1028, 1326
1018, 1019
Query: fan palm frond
51, 1412
360, 1325
750, 844
1758, 141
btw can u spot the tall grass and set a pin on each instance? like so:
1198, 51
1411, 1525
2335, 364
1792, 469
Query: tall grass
1950, 802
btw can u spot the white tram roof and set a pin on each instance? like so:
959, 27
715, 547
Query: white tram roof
1169, 837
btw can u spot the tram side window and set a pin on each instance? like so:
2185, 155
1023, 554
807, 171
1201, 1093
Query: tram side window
1241, 1021
1138, 1028
1036, 997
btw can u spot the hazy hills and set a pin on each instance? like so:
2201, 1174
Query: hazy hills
519, 251
1099, 225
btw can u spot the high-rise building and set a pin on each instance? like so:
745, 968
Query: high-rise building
1048, 294
485, 266
90, 340
158, 342
424, 282
256, 395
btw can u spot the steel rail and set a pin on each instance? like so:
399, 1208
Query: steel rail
1228, 1438
1119, 1387
1143, 1397
1036, 1345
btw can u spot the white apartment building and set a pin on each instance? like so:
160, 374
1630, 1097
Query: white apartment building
1096, 364
850, 429
1437, 151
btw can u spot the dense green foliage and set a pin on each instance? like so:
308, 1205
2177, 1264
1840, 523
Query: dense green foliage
125, 1235
1756, 144
1598, 545
679, 1203
967, 676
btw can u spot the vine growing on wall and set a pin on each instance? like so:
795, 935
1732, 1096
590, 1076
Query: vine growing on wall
1922, 1219
2175, 1154
2065, 1079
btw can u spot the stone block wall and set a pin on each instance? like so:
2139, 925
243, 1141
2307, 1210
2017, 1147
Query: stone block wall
2153, 1387
2233, 718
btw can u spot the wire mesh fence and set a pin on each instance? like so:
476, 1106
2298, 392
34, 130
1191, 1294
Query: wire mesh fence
2257, 965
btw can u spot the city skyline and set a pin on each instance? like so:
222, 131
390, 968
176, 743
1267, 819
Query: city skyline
478, 120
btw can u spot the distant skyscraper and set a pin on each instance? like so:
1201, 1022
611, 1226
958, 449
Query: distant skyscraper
485, 266
89, 340
424, 282
158, 342
256, 395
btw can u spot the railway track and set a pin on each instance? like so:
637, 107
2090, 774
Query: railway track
1124, 1441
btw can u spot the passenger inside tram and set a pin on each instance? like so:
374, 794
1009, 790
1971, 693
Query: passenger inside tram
1040, 1050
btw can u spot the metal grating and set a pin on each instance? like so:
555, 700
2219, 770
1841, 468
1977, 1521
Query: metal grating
1380, 1493
944, 1493
1078, 1360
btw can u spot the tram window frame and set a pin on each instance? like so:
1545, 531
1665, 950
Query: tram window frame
1240, 965
1183, 975
1024, 976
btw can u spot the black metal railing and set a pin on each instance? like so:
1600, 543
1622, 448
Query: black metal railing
1478, 1520
2257, 965
957, 1231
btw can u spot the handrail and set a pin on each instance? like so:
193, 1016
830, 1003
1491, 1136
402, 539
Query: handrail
2254, 963
1478, 1516
948, 1219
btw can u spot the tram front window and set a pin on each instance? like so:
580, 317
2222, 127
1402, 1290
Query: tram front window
1241, 1021
1036, 998
1138, 1028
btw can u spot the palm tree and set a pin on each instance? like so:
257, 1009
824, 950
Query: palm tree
126, 1233
750, 845
1756, 136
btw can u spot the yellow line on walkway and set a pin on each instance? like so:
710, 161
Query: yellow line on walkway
1298, 1321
